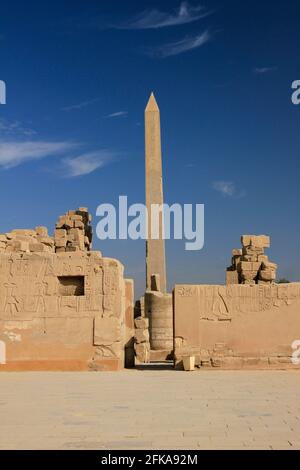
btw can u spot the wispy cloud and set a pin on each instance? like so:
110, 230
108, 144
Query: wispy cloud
179, 47
263, 70
81, 105
13, 154
86, 163
154, 19
10, 128
118, 114
228, 189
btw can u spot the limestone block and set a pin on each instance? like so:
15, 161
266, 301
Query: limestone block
64, 222
250, 258
60, 250
46, 241
72, 249
248, 275
232, 277
60, 242
269, 265
249, 266
10, 235
13, 245
267, 275
24, 246
42, 231
27, 232
261, 241
78, 224
141, 336
237, 252
76, 217
251, 251
262, 258
142, 352
256, 241
107, 330
3, 238
37, 247
141, 323
60, 233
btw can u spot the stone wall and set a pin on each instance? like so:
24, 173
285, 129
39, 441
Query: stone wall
66, 310
237, 326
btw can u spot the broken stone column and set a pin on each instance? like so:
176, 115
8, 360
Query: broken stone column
141, 340
159, 310
129, 323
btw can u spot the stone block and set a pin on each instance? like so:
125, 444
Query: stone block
46, 241
267, 275
76, 217
60, 233
232, 277
42, 231
37, 247
237, 252
60, 242
256, 241
78, 224
269, 265
141, 336
249, 266
141, 323
142, 352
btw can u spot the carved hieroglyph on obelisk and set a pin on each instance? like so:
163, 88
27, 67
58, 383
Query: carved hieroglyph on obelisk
155, 248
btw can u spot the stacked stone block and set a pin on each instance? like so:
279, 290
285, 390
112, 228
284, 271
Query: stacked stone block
27, 241
250, 265
141, 340
73, 231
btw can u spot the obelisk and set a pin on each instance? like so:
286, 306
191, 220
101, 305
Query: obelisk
155, 248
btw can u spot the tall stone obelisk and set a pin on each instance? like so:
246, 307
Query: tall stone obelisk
155, 248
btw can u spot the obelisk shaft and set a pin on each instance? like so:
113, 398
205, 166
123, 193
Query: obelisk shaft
155, 248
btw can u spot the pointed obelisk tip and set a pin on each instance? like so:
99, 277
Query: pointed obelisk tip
152, 104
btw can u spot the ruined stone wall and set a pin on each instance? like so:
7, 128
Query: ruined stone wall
237, 326
61, 311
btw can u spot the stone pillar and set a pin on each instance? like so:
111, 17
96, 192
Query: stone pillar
155, 249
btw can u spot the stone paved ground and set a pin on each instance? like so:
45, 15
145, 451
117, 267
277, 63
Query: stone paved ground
144, 409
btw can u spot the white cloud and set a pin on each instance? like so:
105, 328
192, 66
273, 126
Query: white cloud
154, 19
118, 114
228, 189
15, 128
86, 163
263, 70
81, 105
13, 154
181, 46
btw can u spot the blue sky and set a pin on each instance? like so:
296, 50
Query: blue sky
78, 77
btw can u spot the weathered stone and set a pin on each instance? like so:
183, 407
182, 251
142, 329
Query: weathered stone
42, 231
141, 336
155, 259
141, 323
